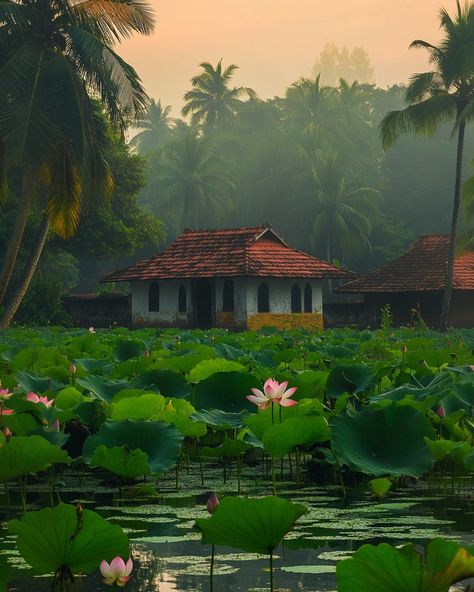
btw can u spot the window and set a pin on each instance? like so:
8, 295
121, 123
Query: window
228, 296
296, 298
154, 297
182, 299
308, 298
263, 298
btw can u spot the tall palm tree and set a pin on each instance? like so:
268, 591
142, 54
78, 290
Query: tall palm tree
56, 57
155, 126
341, 213
212, 101
196, 182
433, 98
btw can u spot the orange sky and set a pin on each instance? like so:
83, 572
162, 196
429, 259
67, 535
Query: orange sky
276, 41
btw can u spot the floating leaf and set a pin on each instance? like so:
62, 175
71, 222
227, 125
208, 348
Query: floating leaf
254, 525
59, 537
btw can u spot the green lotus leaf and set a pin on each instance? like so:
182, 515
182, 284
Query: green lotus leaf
68, 398
207, 368
439, 448
216, 418
384, 442
125, 349
178, 412
380, 487
22, 455
282, 438
310, 384
253, 525
36, 384
226, 391
91, 366
167, 382
353, 379
160, 441
184, 363
228, 449
60, 537
384, 568
102, 388
143, 407
121, 461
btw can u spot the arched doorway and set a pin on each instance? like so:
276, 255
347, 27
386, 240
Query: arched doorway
203, 303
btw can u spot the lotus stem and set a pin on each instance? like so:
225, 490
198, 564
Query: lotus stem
271, 571
273, 413
279, 412
211, 582
298, 467
273, 475
239, 467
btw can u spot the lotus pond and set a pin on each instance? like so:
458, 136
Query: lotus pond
355, 476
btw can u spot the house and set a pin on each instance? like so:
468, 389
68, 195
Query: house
244, 278
413, 285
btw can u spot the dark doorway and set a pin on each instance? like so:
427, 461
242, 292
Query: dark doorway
203, 303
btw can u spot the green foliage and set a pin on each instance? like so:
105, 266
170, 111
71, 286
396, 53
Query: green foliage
121, 461
282, 438
23, 455
63, 537
388, 569
253, 525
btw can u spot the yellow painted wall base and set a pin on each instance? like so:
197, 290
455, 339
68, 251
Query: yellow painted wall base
304, 320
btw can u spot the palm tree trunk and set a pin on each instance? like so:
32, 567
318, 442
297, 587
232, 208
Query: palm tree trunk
14, 244
444, 319
13, 305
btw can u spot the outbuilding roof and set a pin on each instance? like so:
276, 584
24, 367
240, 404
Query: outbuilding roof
421, 269
239, 252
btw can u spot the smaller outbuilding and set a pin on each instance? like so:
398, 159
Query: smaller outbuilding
413, 285
244, 278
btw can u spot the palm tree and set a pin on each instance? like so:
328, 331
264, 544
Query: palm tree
196, 182
433, 98
342, 212
56, 56
212, 101
155, 126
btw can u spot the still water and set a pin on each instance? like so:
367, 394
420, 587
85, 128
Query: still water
169, 557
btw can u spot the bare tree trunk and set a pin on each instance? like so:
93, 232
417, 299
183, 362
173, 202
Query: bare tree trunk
444, 319
17, 298
14, 244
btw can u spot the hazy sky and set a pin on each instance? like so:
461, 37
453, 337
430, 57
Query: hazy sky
276, 41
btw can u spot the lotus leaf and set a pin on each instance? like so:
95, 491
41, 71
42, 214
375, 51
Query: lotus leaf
253, 525
121, 461
226, 391
160, 441
22, 455
143, 407
385, 442
282, 438
439, 448
220, 419
380, 487
68, 398
59, 537
125, 349
207, 368
167, 382
388, 569
228, 449
102, 388
353, 379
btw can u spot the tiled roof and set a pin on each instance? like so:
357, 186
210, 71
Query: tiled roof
422, 268
228, 253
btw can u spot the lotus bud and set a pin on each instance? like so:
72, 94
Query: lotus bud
212, 503
404, 349
441, 412
7, 433
73, 368
146, 354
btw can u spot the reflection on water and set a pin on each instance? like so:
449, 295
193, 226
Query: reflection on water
169, 556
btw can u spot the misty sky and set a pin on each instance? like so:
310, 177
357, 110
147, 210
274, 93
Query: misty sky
276, 41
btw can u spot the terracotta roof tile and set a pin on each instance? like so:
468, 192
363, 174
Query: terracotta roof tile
421, 269
237, 252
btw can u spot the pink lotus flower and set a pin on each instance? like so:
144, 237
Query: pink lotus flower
73, 368
212, 503
33, 397
5, 394
118, 572
441, 412
91, 330
273, 392
4, 411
